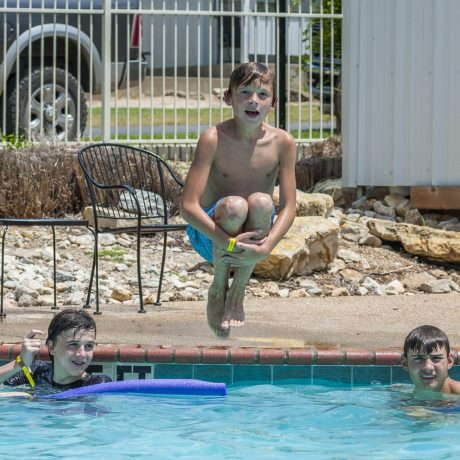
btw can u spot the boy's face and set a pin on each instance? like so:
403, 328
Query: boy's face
251, 103
72, 354
429, 371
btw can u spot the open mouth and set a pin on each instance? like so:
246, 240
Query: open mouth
252, 113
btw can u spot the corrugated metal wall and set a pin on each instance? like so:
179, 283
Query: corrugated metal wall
401, 92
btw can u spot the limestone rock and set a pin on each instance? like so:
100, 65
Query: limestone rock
308, 204
350, 275
436, 287
310, 244
380, 208
125, 218
394, 287
340, 292
421, 241
342, 196
393, 200
370, 240
150, 203
298, 293
414, 282
413, 217
121, 294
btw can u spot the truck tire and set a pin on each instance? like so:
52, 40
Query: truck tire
38, 123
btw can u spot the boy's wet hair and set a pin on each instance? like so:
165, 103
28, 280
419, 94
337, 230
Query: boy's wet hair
67, 319
246, 73
426, 339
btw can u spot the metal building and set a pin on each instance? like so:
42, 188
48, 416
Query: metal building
401, 92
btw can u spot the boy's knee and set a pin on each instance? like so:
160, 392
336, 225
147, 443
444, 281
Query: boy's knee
233, 208
260, 202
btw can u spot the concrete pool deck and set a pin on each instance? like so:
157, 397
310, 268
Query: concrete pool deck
365, 323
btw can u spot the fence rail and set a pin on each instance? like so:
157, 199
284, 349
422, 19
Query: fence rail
154, 71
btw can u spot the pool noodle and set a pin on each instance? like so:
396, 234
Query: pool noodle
147, 386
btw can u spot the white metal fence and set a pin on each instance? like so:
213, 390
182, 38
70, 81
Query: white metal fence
154, 72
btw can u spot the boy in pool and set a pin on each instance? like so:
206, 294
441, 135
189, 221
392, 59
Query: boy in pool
70, 342
227, 198
427, 358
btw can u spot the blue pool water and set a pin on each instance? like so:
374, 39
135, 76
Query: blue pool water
252, 422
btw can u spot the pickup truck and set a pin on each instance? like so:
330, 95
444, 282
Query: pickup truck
51, 55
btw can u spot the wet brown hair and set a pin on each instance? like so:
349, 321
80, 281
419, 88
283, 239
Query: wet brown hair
69, 319
245, 74
426, 338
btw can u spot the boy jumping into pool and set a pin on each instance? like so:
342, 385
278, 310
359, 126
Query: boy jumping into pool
227, 198
70, 343
427, 358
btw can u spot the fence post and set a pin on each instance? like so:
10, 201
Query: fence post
106, 80
281, 57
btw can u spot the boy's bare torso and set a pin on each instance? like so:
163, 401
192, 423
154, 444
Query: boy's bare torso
241, 167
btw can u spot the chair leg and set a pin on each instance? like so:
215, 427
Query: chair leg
90, 287
139, 275
96, 262
2, 314
54, 307
163, 259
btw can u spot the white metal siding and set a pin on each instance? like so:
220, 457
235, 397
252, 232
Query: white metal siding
401, 92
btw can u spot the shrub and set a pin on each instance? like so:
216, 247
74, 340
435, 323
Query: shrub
45, 180
40, 181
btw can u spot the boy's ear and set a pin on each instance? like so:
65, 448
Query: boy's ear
404, 362
227, 98
450, 360
50, 346
274, 102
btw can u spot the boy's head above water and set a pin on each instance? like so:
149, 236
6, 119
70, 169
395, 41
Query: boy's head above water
428, 358
70, 326
250, 73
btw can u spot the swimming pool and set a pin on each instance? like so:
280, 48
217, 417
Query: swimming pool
288, 421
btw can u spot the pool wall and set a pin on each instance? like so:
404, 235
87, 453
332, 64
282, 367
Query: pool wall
245, 365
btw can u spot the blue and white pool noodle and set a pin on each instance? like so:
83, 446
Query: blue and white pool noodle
148, 386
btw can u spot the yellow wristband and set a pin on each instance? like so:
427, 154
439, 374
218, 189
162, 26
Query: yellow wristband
26, 371
231, 244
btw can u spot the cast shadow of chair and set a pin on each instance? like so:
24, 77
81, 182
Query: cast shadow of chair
131, 190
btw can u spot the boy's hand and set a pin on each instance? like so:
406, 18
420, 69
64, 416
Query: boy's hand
248, 250
30, 346
247, 240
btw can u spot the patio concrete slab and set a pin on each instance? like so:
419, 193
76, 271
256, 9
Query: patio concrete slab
370, 322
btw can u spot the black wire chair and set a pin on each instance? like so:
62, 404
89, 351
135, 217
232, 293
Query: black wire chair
131, 190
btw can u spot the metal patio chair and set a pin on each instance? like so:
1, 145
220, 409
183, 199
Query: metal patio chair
131, 190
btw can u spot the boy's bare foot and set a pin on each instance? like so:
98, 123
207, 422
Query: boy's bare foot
234, 314
215, 311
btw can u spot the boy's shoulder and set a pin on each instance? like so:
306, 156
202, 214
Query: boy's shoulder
282, 138
209, 136
282, 134
454, 386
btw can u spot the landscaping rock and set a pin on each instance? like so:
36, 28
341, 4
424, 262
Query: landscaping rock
308, 204
310, 244
423, 241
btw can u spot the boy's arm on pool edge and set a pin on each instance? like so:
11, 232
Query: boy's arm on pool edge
195, 185
8, 370
30, 347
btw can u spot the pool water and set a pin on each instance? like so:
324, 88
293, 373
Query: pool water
252, 422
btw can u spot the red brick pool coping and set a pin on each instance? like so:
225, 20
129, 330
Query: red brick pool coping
231, 355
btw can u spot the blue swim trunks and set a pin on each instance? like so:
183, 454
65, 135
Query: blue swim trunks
201, 243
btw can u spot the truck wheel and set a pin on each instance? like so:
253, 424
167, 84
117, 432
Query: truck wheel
53, 114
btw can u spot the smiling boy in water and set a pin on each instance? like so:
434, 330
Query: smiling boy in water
70, 342
427, 358
227, 198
